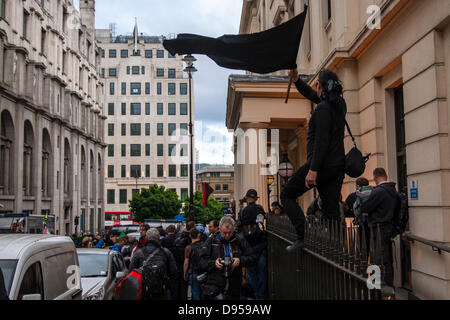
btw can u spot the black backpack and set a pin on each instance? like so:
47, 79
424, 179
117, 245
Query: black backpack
181, 241
401, 214
355, 163
194, 257
251, 229
154, 273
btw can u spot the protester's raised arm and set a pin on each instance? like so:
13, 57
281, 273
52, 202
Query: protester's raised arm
302, 87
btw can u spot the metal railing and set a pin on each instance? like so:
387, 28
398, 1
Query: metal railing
332, 265
435, 246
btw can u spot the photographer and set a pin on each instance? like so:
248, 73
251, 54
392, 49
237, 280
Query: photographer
222, 258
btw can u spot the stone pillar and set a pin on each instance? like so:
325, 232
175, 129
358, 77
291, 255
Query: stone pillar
428, 161
27, 170
45, 156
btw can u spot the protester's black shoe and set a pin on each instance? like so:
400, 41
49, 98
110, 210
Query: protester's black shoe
299, 244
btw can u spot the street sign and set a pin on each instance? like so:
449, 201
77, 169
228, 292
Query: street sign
414, 190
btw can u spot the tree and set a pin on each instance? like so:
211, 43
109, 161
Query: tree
203, 214
155, 203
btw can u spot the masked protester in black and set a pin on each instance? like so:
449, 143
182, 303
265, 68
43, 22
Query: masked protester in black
222, 258
325, 163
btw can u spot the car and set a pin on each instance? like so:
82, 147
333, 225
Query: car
39, 267
101, 271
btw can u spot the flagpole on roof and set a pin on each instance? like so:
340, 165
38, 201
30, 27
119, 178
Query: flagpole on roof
135, 33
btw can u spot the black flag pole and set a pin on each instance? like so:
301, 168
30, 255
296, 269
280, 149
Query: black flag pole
288, 90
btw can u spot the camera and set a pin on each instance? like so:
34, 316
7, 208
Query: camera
201, 278
226, 262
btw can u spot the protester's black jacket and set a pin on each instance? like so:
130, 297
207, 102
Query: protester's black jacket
381, 204
182, 239
169, 241
350, 201
248, 217
325, 139
141, 254
213, 248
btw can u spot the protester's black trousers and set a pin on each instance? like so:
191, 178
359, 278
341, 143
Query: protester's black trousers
329, 184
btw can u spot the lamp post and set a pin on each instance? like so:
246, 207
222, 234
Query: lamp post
285, 169
269, 180
190, 69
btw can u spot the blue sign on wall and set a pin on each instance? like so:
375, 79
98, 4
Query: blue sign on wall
414, 190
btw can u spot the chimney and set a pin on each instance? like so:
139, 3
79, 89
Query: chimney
87, 12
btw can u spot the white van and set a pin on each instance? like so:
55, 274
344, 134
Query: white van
39, 267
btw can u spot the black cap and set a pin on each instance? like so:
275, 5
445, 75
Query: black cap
251, 193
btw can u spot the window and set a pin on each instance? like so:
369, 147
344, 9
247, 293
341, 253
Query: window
214, 174
110, 109
147, 171
148, 53
128, 69
183, 150
135, 150
103, 53
134, 191
124, 53
225, 187
112, 53
43, 38
137, 52
171, 73
147, 150
160, 72
123, 171
172, 150
32, 281
147, 109
110, 195
135, 88
147, 88
124, 129
183, 109
124, 88
160, 129
184, 170
111, 129
217, 187
110, 171
135, 69
160, 152
123, 196
184, 193
169, 55
147, 129
124, 109
135, 109
111, 88
123, 150
135, 129
160, 170
159, 88
172, 129
160, 53
135, 171
112, 72
172, 170
400, 140
171, 89
183, 129
110, 150
159, 109
102, 73
26, 17
172, 110
183, 88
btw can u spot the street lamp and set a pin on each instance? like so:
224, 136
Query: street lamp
190, 69
285, 169
269, 180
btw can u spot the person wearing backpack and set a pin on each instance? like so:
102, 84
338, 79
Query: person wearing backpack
252, 225
380, 208
191, 262
158, 266
180, 285
362, 194
325, 165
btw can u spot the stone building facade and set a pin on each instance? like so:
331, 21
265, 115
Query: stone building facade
147, 108
396, 83
51, 107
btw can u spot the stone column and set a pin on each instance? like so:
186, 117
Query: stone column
6, 155
45, 156
27, 171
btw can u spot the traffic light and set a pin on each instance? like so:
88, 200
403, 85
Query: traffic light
77, 220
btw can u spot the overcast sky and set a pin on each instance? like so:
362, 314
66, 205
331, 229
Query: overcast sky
205, 17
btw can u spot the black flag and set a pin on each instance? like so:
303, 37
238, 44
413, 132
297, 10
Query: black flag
207, 190
264, 52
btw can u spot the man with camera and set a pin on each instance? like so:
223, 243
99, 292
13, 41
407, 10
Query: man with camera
222, 259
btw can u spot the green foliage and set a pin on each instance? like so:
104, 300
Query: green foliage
203, 214
155, 203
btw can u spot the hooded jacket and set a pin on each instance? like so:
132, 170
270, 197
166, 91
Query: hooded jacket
380, 205
325, 139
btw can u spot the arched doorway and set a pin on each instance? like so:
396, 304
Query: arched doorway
47, 164
6, 154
